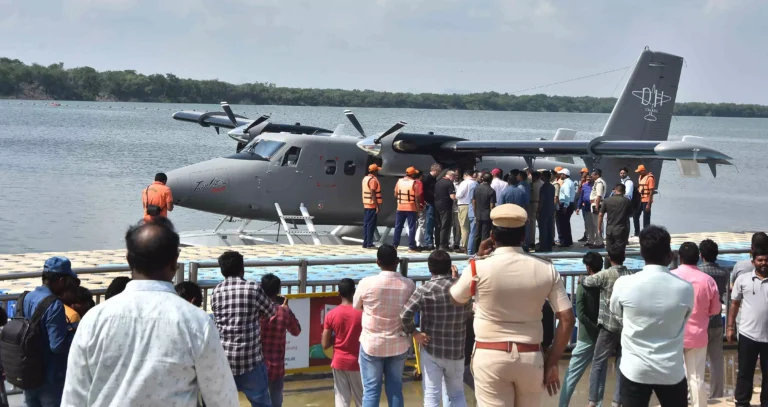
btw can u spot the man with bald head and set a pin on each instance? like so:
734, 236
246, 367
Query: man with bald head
135, 334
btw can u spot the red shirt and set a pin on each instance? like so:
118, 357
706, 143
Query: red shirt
418, 189
347, 323
273, 340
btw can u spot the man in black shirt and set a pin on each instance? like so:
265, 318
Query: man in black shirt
483, 200
429, 214
619, 211
445, 194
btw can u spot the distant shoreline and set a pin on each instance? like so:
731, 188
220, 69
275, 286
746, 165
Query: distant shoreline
35, 82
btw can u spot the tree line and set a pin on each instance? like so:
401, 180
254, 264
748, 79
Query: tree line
54, 82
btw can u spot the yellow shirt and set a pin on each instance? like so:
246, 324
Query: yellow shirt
511, 289
72, 315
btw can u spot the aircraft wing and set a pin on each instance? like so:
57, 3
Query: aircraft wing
211, 119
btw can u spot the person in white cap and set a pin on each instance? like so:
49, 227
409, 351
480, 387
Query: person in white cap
509, 288
566, 208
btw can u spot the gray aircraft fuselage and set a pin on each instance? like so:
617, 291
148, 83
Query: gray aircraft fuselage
324, 173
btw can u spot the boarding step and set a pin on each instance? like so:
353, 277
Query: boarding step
306, 217
297, 217
305, 233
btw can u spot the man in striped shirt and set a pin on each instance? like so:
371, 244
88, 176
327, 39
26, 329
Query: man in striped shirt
383, 344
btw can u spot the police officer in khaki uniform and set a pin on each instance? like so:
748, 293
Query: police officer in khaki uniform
508, 364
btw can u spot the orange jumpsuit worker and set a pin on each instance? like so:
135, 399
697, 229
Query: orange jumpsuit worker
371, 204
408, 206
157, 198
646, 186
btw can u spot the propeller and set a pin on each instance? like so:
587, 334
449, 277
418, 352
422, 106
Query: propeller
229, 112
247, 133
392, 130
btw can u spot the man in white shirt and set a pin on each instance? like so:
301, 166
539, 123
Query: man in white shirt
566, 197
628, 184
498, 184
464, 199
599, 188
654, 306
148, 346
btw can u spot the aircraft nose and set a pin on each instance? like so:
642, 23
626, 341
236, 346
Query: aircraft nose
198, 185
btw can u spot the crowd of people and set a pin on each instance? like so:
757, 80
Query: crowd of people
443, 204
150, 343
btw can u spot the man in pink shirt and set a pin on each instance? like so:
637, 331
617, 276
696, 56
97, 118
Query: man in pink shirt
383, 344
706, 302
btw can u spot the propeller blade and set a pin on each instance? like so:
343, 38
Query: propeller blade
353, 119
258, 125
229, 112
392, 130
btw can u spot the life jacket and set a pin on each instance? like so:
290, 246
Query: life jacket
645, 192
405, 192
370, 194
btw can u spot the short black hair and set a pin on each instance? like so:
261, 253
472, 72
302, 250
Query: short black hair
625, 169
387, 255
439, 263
508, 237
506, 178
270, 283
759, 239
760, 251
231, 264
347, 288
709, 250
598, 171
153, 247
84, 296
621, 188
116, 286
546, 174
190, 291
593, 260
161, 177
487, 178
535, 176
515, 172
617, 253
689, 253
655, 245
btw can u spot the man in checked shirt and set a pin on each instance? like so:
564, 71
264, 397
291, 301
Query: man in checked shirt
237, 307
443, 332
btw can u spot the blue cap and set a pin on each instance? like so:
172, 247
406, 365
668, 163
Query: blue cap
59, 265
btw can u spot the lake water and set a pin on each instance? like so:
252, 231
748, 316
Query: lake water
72, 175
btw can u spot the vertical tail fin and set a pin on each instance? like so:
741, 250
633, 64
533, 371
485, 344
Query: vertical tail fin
644, 109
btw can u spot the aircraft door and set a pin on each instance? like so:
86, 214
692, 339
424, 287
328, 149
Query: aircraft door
292, 168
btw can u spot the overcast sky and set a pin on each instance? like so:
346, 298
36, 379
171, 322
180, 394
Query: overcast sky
403, 45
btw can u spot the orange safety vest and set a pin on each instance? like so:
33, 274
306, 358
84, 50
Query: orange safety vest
369, 194
642, 187
405, 192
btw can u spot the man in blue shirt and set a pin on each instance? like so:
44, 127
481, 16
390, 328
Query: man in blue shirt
513, 193
564, 212
471, 215
582, 204
545, 212
58, 278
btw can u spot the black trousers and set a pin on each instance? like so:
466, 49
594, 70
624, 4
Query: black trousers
635, 394
563, 219
617, 237
640, 210
444, 226
483, 232
749, 350
456, 230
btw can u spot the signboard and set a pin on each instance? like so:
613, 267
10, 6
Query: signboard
304, 353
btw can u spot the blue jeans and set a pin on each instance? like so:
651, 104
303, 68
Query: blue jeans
472, 234
607, 343
369, 226
581, 357
442, 376
372, 368
276, 392
429, 225
545, 232
47, 395
255, 386
400, 219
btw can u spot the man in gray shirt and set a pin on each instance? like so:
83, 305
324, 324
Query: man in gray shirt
750, 294
759, 239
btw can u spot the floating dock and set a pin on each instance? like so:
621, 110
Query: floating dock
33, 262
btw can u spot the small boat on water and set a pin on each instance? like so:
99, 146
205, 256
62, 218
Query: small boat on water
54, 104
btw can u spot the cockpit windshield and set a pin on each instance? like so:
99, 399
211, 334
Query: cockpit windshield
263, 148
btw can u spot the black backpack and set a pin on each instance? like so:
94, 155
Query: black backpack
21, 346
635, 196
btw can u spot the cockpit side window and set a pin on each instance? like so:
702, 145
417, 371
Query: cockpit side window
291, 158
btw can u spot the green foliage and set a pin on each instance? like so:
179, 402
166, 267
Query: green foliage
18, 80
